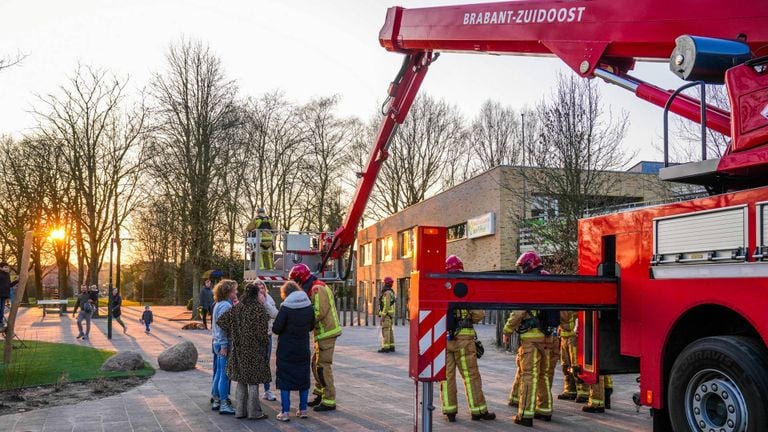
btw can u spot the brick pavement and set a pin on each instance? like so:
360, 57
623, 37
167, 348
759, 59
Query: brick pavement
375, 392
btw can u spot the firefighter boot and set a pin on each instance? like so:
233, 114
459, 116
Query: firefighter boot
593, 409
316, 401
545, 417
484, 416
608, 392
451, 417
567, 396
523, 421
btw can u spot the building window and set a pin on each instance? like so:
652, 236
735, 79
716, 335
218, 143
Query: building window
384, 249
456, 232
366, 254
405, 243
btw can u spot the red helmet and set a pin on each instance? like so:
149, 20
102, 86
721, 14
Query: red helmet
300, 273
388, 281
453, 264
529, 261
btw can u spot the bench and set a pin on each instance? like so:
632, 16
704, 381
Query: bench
60, 304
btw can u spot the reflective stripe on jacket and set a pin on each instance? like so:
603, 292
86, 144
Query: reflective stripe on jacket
468, 316
326, 319
514, 321
567, 323
387, 303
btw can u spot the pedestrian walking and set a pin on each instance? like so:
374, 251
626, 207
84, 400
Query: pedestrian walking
85, 305
245, 325
146, 318
206, 302
225, 293
117, 302
294, 321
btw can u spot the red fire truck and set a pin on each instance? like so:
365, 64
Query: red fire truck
677, 292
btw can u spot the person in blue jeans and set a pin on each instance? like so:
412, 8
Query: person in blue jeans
147, 317
269, 304
225, 293
294, 321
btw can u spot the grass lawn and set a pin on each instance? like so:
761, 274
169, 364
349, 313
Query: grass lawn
50, 363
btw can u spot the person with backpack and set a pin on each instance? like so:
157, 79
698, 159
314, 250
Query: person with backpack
387, 314
83, 303
536, 357
461, 353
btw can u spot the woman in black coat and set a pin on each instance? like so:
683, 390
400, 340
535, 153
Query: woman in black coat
293, 323
117, 303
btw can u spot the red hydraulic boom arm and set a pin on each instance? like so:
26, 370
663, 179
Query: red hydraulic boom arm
596, 38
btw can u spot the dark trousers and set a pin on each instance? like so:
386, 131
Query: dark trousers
2, 309
204, 312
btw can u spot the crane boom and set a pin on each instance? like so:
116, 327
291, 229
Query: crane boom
595, 38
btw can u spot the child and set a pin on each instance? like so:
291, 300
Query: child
146, 318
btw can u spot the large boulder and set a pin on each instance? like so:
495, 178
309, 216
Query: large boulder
123, 361
180, 357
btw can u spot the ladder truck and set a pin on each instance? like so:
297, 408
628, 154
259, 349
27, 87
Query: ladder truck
676, 292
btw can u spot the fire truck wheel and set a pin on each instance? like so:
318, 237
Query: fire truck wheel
721, 384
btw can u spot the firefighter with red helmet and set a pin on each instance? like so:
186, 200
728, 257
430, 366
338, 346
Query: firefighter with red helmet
387, 314
327, 329
461, 353
535, 357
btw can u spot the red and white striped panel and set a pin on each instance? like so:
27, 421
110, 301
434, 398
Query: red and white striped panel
273, 278
432, 345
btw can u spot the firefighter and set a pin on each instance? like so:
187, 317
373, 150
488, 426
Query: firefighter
327, 329
572, 388
535, 357
461, 353
263, 225
387, 314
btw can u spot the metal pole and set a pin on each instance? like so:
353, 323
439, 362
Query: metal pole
109, 293
426, 407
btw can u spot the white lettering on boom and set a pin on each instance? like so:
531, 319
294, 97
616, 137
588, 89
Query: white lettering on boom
526, 16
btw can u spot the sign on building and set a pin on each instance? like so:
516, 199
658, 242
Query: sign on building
481, 226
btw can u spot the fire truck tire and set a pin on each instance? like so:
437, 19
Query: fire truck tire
720, 383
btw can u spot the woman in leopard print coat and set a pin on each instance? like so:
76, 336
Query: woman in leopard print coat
246, 326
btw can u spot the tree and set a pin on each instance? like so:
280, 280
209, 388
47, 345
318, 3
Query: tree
100, 145
575, 144
276, 148
327, 137
195, 110
419, 155
8, 61
493, 137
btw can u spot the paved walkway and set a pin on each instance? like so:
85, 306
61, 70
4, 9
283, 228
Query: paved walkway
374, 391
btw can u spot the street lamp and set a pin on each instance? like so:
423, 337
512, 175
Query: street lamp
109, 293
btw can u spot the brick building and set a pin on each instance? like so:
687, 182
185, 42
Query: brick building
482, 215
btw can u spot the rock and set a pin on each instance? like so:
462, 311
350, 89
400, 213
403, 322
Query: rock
180, 357
194, 326
123, 361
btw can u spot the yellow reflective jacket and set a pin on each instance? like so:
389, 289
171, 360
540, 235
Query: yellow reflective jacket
387, 305
326, 319
514, 322
473, 316
567, 323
